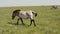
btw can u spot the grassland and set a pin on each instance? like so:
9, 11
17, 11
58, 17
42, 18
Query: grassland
47, 21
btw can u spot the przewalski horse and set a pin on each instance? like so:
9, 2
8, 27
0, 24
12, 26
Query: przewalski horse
24, 15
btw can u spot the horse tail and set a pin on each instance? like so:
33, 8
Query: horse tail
35, 14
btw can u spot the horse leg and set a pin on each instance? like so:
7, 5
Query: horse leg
32, 20
17, 21
22, 21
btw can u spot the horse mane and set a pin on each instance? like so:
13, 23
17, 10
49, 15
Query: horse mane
16, 11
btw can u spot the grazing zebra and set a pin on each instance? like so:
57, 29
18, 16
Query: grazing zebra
24, 15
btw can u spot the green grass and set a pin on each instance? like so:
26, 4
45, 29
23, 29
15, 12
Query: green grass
47, 21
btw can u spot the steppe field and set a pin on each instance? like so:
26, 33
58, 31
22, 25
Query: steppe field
47, 21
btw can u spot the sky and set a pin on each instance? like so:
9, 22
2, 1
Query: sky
6, 3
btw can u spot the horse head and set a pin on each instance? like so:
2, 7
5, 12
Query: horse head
15, 13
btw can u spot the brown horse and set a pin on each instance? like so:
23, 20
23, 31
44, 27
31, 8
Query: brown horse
24, 15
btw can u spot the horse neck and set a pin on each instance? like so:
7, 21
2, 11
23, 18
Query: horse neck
16, 14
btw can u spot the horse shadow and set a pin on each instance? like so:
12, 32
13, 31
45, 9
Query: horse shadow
17, 24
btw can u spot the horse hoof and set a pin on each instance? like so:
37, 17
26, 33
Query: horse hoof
34, 25
16, 24
23, 24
